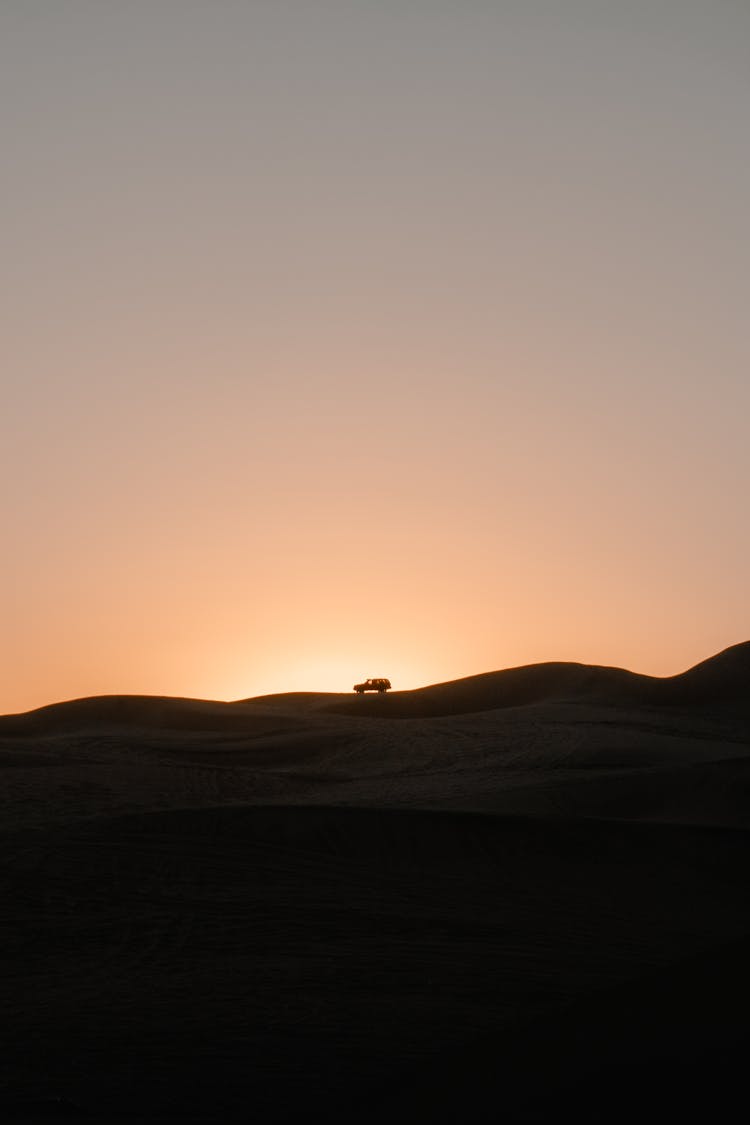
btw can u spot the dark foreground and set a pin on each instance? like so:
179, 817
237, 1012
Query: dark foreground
407, 911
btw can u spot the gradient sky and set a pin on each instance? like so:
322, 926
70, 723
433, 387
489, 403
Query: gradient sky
346, 338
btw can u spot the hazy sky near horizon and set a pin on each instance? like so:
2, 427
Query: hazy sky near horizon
347, 338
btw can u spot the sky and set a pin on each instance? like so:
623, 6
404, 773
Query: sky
342, 338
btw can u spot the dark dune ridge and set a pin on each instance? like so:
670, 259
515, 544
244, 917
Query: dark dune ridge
724, 678
525, 899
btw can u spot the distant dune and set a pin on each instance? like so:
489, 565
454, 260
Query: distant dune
722, 679
147, 712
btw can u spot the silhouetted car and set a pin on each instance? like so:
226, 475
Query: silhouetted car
372, 685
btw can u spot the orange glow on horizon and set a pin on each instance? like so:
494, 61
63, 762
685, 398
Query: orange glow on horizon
233, 677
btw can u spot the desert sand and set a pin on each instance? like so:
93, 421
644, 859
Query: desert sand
514, 897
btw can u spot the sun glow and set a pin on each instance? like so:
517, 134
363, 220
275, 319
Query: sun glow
316, 672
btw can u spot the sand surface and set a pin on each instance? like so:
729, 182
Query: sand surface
508, 898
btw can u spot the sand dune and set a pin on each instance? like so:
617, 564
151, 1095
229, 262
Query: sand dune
724, 678
135, 711
525, 890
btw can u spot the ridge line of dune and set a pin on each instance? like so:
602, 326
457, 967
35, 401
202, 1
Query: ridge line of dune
721, 679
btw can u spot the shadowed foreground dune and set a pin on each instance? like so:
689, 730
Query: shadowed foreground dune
512, 897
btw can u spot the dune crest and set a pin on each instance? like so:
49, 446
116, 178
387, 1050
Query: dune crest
721, 679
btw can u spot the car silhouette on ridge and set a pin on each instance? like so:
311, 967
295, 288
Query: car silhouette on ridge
372, 685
